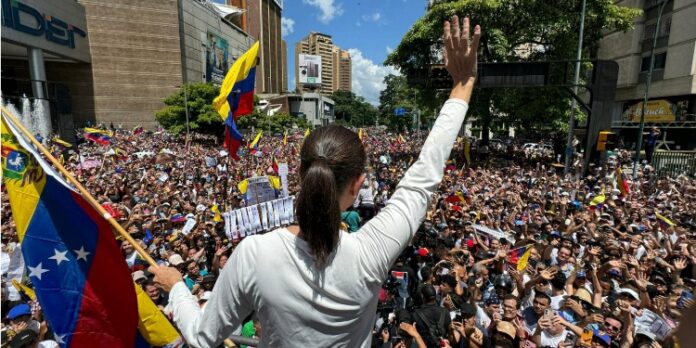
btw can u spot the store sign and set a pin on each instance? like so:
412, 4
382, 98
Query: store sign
27, 19
655, 111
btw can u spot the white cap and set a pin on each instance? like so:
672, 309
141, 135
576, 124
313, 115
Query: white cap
631, 292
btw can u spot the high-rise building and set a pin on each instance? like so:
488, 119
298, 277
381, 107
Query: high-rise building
342, 78
320, 45
261, 19
672, 95
335, 63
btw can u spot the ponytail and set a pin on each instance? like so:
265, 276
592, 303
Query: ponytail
332, 157
318, 211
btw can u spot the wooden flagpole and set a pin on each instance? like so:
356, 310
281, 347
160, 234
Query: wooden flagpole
83, 191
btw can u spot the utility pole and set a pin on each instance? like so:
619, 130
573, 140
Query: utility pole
648, 79
573, 105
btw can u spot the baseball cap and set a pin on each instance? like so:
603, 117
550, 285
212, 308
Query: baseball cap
18, 311
468, 310
602, 337
629, 292
138, 275
176, 260
507, 329
423, 252
492, 300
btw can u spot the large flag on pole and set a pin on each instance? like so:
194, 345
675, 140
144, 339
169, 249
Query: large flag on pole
519, 257
237, 97
79, 274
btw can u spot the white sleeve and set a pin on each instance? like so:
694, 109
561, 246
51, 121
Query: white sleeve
229, 303
385, 236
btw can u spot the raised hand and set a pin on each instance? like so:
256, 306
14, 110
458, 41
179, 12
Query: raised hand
460, 50
680, 264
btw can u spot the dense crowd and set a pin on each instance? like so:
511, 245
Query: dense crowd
615, 273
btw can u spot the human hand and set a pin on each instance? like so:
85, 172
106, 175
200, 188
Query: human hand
409, 329
385, 335
166, 277
549, 273
476, 337
460, 51
680, 264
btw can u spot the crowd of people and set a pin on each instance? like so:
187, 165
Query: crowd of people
615, 273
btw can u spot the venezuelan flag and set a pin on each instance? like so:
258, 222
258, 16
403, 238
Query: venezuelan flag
519, 257
622, 183
665, 223
60, 142
457, 197
237, 97
254, 145
274, 165
598, 201
285, 137
306, 132
99, 136
360, 133
138, 129
79, 275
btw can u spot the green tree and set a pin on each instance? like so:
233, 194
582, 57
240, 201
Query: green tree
548, 30
353, 110
203, 118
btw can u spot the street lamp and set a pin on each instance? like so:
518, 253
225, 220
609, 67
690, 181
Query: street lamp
648, 79
186, 111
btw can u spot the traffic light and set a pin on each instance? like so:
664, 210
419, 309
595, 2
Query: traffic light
606, 141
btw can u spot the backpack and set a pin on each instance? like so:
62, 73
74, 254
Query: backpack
432, 335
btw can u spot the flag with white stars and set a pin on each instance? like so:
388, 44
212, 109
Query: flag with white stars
77, 270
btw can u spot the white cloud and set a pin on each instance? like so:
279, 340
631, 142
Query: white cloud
373, 17
328, 9
287, 26
389, 50
368, 77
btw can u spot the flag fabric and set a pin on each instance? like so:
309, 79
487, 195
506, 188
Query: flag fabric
80, 278
665, 223
79, 275
25, 290
254, 145
598, 201
467, 151
306, 132
60, 142
360, 134
137, 130
519, 257
622, 183
216, 210
274, 165
98, 136
285, 138
457, 197
236, 97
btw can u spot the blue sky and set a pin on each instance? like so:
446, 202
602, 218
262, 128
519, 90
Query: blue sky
367, 28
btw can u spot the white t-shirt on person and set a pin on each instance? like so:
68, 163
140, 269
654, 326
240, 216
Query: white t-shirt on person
302, 305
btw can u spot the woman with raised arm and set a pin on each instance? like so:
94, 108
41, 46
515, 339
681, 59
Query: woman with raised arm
313, 285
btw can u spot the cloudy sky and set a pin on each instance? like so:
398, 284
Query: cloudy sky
368, 29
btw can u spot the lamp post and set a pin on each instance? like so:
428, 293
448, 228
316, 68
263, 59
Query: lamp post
648, 79
573, 105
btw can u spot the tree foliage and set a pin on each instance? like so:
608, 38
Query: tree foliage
353, 110
278, 123
515, 30
203, 118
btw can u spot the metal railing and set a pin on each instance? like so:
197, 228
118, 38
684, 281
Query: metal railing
674, 163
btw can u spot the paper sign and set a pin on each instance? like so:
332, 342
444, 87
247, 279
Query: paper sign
240, 223
190, 224
283, 172
264, 216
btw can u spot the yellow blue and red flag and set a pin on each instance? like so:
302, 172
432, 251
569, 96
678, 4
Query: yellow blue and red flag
519, 257
81, 280
99, 136
254, 145
237, 97
598, 201
622, 183
665, 223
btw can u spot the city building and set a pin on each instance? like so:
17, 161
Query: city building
316, 108
113, 61
342, 77
335, 64
261, 19
672, 94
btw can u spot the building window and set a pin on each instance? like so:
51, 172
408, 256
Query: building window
660, 60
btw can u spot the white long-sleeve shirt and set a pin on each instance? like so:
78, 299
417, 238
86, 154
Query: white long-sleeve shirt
300, 305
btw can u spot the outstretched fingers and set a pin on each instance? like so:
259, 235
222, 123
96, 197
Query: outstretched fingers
476, 39
465, 34
456, 36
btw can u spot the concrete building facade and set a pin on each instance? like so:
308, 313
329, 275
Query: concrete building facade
336, 63
342, 78
113, 61
262, 20
672, 94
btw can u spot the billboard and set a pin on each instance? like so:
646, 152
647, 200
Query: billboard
216, 59
310, 69
655, 111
